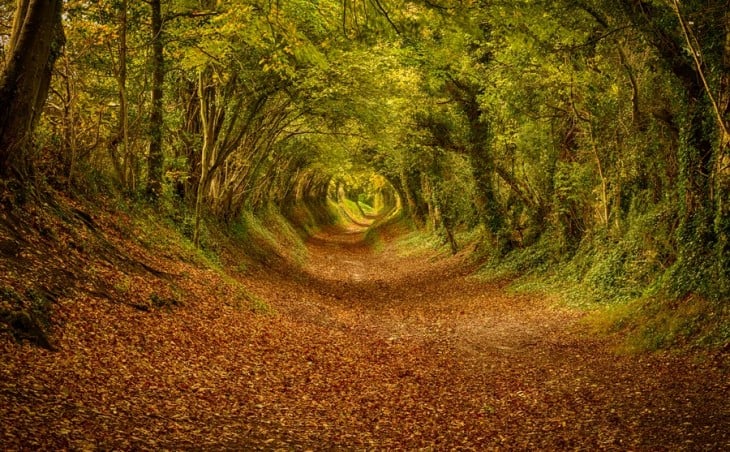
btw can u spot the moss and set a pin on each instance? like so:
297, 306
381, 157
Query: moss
27, 317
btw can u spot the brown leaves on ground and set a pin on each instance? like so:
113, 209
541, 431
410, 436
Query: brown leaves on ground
361, 350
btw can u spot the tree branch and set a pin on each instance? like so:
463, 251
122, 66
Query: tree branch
189, 15
698, 64
380, 7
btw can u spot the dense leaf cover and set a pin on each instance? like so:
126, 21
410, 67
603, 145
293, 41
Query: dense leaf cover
357, 349
555, 128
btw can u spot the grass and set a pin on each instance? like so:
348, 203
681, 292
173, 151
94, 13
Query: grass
618, 286
417, 242
346, 212
654, 323
268, 235
259, 306
648, 322
285, 234
529, 268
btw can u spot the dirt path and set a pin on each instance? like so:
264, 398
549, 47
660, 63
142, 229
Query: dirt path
365, 350
451, 361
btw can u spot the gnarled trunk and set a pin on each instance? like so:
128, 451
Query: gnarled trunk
34, 46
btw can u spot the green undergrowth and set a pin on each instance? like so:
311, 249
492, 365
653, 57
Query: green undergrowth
374, 238
419, 241
348, 212
367, 208
267, 237
171, 235
536, 268
309, 219
414, 240
230, 250
654, 323
619, 284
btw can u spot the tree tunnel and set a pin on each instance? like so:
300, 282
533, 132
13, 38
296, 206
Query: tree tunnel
462, 117
325, 196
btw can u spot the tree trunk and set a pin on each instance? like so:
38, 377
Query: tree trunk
722, 220
403, 199
34, 46
207, 127
155, 157
482, 162
123, 127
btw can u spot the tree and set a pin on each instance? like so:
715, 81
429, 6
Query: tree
35, 43
155, 157
696, 54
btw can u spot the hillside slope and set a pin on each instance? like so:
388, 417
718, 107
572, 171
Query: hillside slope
151, 345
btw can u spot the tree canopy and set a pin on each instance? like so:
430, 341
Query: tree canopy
575, 133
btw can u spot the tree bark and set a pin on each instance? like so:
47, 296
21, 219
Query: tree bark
155, 157
480, 156
34, 46
207, 126
123, 126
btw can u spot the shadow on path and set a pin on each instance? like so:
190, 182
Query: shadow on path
465, 363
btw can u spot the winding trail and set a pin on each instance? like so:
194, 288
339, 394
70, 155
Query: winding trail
440, 359
364, 349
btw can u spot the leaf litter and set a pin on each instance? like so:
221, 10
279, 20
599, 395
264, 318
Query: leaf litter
361, 349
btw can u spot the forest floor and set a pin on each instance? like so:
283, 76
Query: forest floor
361, 348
